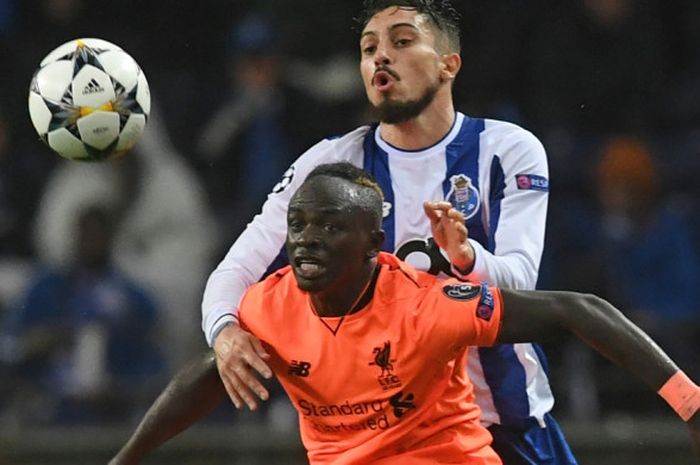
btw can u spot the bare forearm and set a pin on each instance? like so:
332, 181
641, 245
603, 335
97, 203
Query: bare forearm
536, 315
194, 392
614, 336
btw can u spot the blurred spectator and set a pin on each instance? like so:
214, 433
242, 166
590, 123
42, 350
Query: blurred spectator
164, 234
653, 265
260, 124
631, 243
80, 337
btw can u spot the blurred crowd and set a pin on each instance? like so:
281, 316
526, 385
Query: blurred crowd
102, 266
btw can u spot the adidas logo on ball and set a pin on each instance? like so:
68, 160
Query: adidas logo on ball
89, 100
92, 87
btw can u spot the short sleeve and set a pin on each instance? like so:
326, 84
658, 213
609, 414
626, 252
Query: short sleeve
455, 314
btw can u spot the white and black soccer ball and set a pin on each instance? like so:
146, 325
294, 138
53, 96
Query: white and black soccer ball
89, 100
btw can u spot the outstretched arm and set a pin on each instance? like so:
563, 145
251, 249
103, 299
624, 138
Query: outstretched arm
539, 315
536, 315
192, 393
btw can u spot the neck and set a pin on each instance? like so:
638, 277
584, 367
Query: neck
424, 130
349, 299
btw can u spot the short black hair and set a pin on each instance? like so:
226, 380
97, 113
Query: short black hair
441, 12
372, 196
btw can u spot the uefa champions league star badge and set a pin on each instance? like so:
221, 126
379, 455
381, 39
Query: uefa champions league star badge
463, 195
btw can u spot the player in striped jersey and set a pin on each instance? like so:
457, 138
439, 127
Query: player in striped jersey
494, 172
372, 352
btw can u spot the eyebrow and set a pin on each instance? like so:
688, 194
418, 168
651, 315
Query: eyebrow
391, 28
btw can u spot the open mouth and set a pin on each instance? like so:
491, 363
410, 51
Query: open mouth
383, 81
308, 267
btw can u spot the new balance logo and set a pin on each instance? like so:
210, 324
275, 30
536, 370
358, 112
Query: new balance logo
92, 87
299, 368
401, 405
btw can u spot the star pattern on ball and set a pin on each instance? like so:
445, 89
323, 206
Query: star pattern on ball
85, 55
89, 100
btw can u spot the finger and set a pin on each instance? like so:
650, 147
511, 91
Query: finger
244, 391
257, 359
442, 205
232, 393
455, 214
225, 373
249, 379
430, 211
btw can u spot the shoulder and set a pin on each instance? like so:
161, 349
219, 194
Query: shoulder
279, 286
346, 147
505, 135
514, 145
401, 280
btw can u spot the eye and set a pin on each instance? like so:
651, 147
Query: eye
329, 227
370, 49
402, 42
295, 225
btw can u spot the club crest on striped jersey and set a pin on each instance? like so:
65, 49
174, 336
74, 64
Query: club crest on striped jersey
461, 291
463, 195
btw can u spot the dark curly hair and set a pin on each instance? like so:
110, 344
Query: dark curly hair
441, 12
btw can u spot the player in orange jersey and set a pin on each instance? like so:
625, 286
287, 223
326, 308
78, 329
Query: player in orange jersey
372, 352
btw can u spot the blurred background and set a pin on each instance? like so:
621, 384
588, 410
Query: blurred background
102, 266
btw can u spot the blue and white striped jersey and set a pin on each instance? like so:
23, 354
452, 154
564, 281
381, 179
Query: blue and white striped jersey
495, 172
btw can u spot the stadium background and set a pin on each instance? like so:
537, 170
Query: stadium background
611, 87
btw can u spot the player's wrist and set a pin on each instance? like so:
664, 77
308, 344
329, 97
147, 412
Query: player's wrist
464, 259
219, 329
682, 394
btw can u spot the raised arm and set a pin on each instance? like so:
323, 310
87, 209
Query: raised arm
518, 199
193, 393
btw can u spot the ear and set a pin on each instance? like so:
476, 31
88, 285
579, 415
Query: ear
377, 238
450, 64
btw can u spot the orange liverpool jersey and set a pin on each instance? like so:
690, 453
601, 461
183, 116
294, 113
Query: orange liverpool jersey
390, 386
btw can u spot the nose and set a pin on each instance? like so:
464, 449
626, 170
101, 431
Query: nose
306, 238
381, 56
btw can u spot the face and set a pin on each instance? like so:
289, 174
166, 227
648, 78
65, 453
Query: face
400, 64
329, 244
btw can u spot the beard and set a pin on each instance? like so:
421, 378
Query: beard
394, 112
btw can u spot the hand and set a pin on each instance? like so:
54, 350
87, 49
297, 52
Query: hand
238, 353
450, 233
694, 425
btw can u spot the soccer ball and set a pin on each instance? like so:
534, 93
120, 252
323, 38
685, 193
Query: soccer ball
89, 100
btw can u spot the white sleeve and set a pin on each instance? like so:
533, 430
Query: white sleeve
519, 219
256, 248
